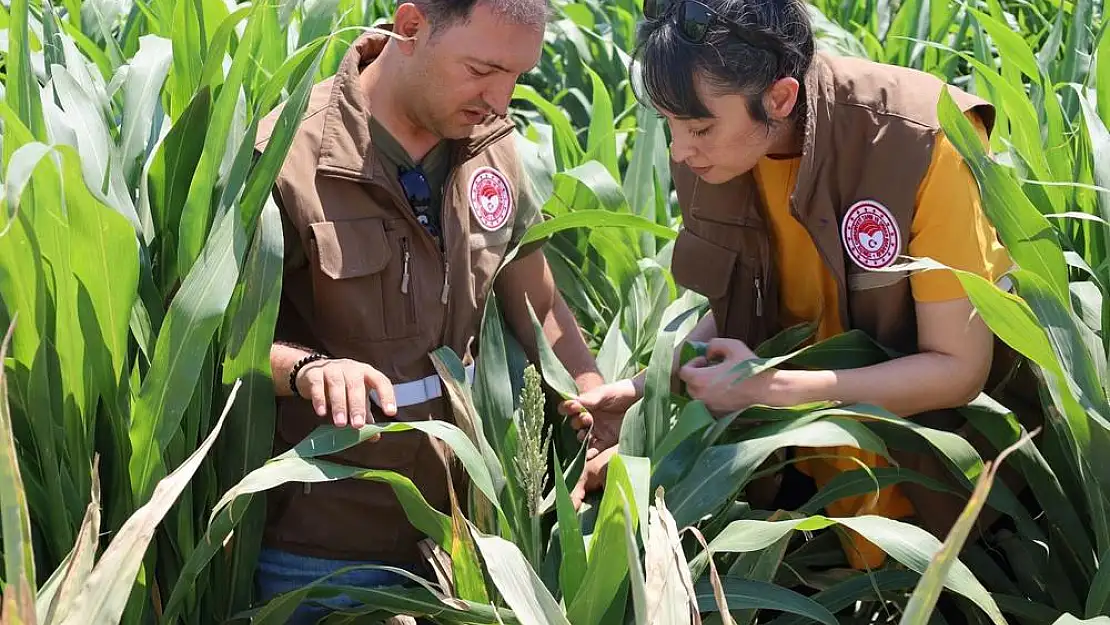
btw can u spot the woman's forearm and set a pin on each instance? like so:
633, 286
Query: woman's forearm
905, 386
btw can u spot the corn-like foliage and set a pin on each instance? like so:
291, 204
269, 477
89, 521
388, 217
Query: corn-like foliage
140, 266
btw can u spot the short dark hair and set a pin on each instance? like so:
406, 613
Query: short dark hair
444, 13
670, 65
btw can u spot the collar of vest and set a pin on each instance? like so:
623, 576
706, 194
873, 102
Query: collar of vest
345, 146
816, 127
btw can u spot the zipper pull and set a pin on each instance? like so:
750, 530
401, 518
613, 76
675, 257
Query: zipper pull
758, 296
405, 270
446, 282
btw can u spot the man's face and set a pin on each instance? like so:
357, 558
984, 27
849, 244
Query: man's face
468, 70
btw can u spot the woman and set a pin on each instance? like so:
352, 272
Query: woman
801, 176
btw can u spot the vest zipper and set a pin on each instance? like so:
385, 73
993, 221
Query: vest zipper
446, 282
406, 279
405, 270
758, 296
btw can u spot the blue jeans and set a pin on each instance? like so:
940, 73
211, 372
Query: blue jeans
280, 572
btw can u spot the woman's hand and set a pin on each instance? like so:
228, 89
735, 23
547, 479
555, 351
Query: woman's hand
712, 381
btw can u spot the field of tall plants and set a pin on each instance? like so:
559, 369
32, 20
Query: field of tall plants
140, 269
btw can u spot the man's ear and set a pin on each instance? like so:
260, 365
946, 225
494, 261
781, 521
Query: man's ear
409, 24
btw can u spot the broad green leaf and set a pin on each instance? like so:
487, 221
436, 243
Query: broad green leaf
20, 87
636, 573
265, 171
518, 583
723, 470
171, 174
866, 586
109, 585
1010, 44
327, 439
922, 602
469, 581
1027, 235
146, 73
572, 569
554, 373
194, 315
55, 599
862, 482
198, 210
751, 594
248, 441
421, 600
568, 152
693, 419
607, 565
19, 559
434, 524
657, 386
594, 219
600, 139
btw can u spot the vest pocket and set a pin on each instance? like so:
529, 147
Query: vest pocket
359, 280
739, 285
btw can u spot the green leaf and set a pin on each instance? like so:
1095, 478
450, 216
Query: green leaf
1027, 235
867, 586
600, 138
146, 73
194, 316
554, 373
518, 583
568, 152
723, 470
328, 439
434, 524
19, 558
109, 585
922, 602
751, 594
593, 220
573, 549
607, 565
693, 419
198, 211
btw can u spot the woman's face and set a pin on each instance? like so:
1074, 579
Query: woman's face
730, 142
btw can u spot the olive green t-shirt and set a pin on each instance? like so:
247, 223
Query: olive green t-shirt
437, 165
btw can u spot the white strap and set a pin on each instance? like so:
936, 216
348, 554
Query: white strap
419, 391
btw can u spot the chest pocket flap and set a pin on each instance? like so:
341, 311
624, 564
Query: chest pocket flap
351, 248
702, 266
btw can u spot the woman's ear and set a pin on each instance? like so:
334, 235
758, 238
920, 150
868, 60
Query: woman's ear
781, 98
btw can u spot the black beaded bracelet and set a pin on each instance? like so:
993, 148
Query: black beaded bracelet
297, 369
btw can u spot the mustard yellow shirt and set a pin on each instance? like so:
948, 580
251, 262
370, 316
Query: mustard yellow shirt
949, 226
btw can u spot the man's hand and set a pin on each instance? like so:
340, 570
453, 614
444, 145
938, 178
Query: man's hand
602, 408
710, 379
593, 476
342, 388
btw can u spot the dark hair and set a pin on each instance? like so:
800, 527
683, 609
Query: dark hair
670, 65
444, 13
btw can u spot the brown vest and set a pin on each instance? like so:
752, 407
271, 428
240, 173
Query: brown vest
363, 280
869, 135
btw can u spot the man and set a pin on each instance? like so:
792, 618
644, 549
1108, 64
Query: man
401, 195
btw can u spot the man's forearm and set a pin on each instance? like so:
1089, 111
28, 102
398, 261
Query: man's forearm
529, 280
282, 359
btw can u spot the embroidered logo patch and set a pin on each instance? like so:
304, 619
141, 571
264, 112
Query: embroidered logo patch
870, 235
490, 199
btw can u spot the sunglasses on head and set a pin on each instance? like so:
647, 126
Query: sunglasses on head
694, 20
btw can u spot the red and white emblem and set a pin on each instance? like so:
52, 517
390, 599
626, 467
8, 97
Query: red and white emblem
871, 235
490, 199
